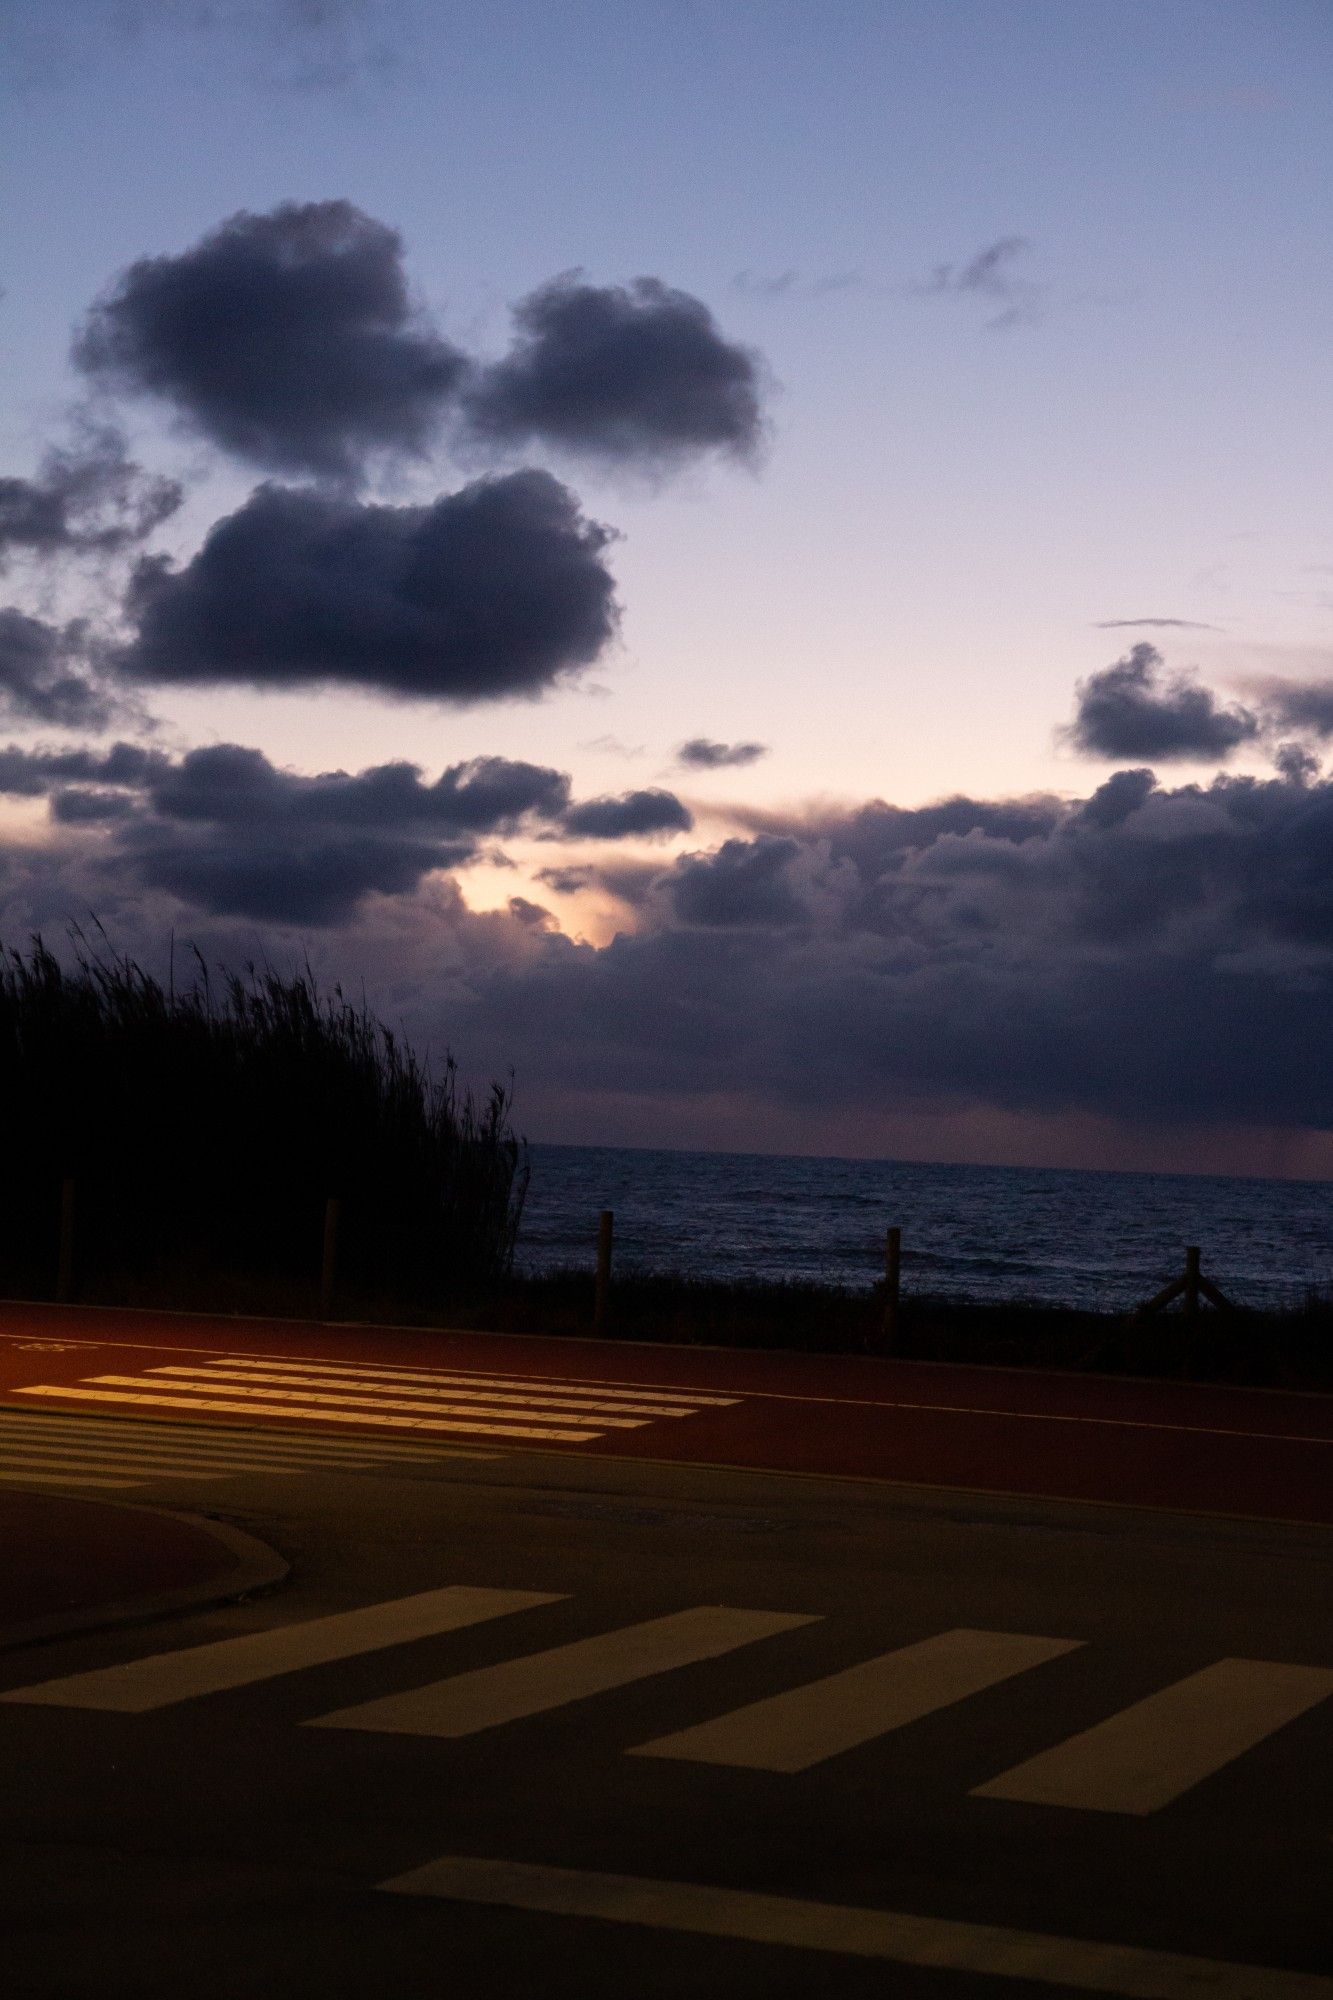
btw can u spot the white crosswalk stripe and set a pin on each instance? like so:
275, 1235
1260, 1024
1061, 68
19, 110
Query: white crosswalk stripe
1136, 1761
536, 1682
435, 1402
1151, 1753
164, 1679
792, 1731
40, 1447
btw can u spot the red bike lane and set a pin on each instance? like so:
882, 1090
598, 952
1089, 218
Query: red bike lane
1196, 1448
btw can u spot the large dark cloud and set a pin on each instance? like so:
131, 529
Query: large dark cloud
287, 338
229, 785
639, 371
498, 590
646, 813
87, 498
1147, 954
230, 832
1134, 708
1162, 956
43, 678
701, 753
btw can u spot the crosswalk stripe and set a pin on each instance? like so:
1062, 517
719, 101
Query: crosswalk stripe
324, 1416
454, 1403
139, 1465
579, 1406
1128, 1972
163, 1679
1151, 1752
79, 1425
536, 1682
9, 1476
792, 1731
555, 1385
318, 1399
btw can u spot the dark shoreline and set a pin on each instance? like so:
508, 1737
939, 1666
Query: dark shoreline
1290, 1349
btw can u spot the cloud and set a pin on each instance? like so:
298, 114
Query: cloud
32, 773
1161, 956
288, 339
229, 785
638, 371
645, 813
990, 274
497, 590
1134, 709
39, 676
1306, 706
292, 45
1161, 624
224, 829
702, 754
87, 498
1148, 954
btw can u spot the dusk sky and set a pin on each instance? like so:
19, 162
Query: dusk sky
834, 504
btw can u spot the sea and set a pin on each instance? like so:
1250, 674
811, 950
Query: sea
1057, 1236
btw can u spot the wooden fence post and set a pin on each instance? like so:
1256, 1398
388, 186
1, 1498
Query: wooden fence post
602, 1297
1191, 1298
893, 1260
328, 1274
65, 1262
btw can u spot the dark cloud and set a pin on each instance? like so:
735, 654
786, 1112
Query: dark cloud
87, 498
90, 808
1156, 955
704, 755
1306, 706
645, 813
229, 785
287, 338
319, 882
746, 883
32, 773
1147, 955
637, 371
229, 831
1135, 709
498, 590
1295, 763
40, 677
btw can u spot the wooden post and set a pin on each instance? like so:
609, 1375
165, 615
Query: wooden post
602, 1297
329, 1267
65, 1263
1191, 1302
893, 1260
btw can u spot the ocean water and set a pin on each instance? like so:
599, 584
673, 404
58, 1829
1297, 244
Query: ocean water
1105, 1240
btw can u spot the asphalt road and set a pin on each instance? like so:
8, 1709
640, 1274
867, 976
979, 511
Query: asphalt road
540, 1766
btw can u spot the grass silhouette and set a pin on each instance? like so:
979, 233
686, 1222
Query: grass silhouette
206, 1123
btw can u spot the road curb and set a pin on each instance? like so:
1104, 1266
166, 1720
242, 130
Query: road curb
254, 1568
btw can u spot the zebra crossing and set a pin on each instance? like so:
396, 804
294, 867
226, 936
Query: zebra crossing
1134, 1762
428, 1402
43, 1448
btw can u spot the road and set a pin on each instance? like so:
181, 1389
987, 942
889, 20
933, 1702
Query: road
1155, 1444
567, 1717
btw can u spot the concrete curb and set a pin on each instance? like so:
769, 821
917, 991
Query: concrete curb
255, 1568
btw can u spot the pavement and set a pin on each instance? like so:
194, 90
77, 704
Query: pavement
72, 1565
548, 1720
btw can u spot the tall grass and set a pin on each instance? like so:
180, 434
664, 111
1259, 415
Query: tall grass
206, 1122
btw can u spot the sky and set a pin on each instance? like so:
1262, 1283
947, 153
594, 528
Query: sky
767, 569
